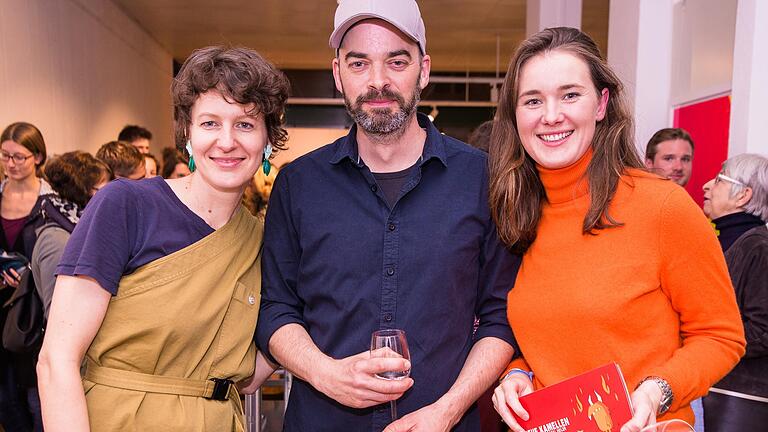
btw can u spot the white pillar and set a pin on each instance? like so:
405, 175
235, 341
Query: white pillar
749, 110
640, 51
541, 14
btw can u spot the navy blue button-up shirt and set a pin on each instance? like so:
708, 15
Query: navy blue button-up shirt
342, 263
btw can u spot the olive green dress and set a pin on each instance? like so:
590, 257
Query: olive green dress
174, 324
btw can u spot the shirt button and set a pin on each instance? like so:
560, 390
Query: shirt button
390, 271
391, 227
387, 317
374, 188
251, 299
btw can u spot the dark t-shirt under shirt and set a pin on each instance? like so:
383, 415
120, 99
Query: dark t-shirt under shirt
126, 225
392, 182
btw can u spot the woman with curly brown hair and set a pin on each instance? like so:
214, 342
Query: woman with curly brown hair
619, 265
75, 177
159, 285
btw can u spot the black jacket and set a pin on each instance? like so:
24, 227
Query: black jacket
24, 364
747, 261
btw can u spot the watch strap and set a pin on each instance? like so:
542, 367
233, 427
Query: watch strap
666, 393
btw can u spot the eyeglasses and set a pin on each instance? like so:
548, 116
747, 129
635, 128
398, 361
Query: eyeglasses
723, 177
17, 157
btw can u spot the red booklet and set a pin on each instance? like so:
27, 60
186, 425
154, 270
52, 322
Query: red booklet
596, 401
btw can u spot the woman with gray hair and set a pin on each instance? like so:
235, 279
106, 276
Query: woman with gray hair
737, 202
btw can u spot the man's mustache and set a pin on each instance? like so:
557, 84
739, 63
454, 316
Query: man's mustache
380, 94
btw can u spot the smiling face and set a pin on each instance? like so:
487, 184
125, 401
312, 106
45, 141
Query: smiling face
557, 108
227, 141
381, 74
18, 171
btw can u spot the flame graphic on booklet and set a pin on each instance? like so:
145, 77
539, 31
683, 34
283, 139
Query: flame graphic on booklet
596, 401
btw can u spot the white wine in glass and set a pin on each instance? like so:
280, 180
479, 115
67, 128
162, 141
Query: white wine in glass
391, 343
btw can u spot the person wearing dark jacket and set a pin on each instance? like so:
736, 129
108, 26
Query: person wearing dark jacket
737, 202
22, 154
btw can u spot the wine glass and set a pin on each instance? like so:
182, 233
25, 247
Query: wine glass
391, 343
669, 426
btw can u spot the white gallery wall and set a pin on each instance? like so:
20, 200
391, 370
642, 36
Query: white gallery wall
702, 50
80, 70
750, 82
669, 53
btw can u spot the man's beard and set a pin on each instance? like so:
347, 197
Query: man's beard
383, 121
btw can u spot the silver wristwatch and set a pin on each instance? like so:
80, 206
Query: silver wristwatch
666, 393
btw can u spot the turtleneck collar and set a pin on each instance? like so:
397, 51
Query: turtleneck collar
568, 183
732, 226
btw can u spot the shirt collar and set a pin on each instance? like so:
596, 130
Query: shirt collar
434, 147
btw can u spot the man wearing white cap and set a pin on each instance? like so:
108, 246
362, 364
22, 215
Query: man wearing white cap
386, 228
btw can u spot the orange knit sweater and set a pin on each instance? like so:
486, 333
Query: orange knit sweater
652, 295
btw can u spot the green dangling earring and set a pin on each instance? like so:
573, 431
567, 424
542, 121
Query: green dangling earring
265, 165
191, 159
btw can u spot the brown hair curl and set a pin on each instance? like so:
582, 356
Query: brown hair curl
74, 175
121, 158
242, 76
516, 191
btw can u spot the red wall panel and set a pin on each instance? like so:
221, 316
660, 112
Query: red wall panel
708, 123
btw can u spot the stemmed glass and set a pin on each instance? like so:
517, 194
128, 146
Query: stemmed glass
669, 426
391, 343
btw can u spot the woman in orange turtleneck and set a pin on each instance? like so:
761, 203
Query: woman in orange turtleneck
620, 265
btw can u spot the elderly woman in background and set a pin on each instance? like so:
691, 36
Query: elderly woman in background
159, 284
737, 202
619, 265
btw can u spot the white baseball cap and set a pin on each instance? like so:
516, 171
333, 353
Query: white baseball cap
403, 14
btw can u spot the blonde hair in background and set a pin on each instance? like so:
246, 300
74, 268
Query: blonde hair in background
263, 182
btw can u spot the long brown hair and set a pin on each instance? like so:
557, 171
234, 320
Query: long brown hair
516, 191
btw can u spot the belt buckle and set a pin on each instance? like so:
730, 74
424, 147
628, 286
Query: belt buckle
220, 389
